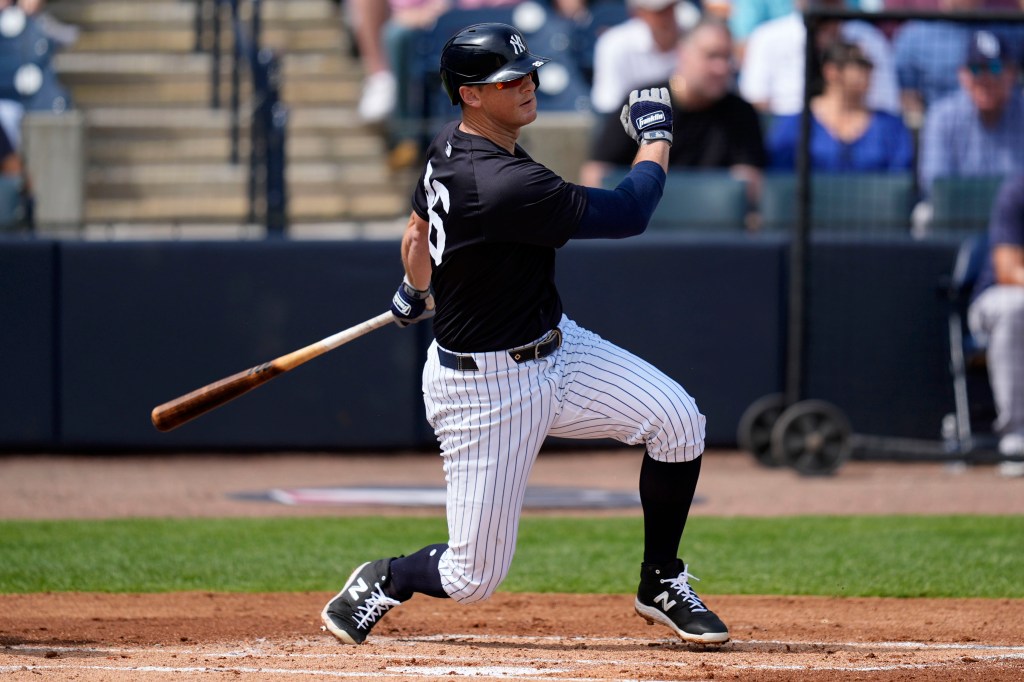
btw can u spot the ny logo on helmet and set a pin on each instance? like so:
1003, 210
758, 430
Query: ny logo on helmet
517, 43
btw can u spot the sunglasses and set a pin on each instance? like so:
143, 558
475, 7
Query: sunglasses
515, 83
995, 68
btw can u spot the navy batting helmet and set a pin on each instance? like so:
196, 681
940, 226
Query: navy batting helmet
486, 53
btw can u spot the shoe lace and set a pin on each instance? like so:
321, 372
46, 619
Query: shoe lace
681, 585
375, 606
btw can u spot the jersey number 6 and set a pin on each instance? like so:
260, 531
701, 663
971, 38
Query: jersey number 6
435, 192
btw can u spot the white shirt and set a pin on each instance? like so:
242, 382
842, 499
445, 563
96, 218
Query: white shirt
773, 66
626, 58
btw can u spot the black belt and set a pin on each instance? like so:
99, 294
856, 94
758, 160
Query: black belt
543, 348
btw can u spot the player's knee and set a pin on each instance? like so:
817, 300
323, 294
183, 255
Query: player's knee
679, 437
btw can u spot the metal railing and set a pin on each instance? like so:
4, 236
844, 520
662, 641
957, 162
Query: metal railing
268, 115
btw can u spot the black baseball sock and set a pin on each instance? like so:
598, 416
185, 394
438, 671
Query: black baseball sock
666, 492
418, 573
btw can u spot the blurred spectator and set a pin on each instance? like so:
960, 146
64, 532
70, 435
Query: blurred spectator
928, 54
978, 130
746, 15
62, 34
19, 21
714, 128
772, 75
996, 318
638, 51
14, 210
385, 30
846, 134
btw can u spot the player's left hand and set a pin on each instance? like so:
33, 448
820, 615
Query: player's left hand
648, 115
411, 305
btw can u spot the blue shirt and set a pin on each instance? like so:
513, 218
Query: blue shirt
1006, 227
929, 53
886, 145
956, 143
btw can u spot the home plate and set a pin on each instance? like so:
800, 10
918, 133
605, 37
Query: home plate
538, 497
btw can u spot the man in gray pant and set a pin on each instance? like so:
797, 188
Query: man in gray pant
996, 318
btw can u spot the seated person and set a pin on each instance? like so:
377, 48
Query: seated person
772, 74
996, 318
639, 50
978, 130
928, 53
714, 128
846, 135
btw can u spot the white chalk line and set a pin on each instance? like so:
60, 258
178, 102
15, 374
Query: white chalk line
992, 653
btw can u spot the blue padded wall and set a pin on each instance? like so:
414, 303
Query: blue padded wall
27, 337
706, 312
144, 323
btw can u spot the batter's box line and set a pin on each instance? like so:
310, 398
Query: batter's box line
503, 673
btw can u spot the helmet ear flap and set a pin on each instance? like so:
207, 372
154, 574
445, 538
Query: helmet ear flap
451, 86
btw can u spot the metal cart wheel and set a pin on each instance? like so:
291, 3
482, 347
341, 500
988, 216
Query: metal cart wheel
755, 428
812, 436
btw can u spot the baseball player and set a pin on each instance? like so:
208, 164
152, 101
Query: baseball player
507, 366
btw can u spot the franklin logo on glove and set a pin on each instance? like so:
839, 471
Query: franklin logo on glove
647, 117
650, 119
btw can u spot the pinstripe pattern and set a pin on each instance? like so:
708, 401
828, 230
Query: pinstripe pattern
492, 423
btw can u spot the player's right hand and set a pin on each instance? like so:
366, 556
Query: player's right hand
648, 115
410, 305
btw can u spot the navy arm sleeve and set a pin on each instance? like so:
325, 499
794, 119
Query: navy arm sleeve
625, 210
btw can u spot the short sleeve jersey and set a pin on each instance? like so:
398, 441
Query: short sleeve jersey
495, 220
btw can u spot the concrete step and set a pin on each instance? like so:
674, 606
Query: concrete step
164, 122
166, 209
157, 93
174, 38
113, 148
174, 210
183, 177
126, 66
132, 12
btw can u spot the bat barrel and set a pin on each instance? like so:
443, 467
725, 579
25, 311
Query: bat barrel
174, 413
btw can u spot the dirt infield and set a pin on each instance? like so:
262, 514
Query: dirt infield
198, 636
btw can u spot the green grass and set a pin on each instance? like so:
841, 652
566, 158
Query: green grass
904, 556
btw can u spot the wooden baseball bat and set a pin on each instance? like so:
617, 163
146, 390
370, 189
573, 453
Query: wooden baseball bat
176, 412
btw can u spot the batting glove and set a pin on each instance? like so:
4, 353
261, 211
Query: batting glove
648, 115
410, 305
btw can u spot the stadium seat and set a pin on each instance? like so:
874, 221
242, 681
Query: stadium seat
841, 202
697, 200
962, 205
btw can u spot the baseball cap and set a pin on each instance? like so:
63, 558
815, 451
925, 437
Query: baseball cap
986, 48
653, 5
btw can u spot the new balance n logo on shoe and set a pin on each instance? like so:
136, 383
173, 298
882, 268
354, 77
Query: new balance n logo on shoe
663, 599
356, 590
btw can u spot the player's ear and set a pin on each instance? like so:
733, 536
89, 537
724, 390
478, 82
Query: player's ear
470, 95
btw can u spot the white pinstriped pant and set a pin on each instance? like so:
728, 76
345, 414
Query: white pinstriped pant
997, 319
491, 424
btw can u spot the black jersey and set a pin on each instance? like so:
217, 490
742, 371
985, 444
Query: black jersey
495, 222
